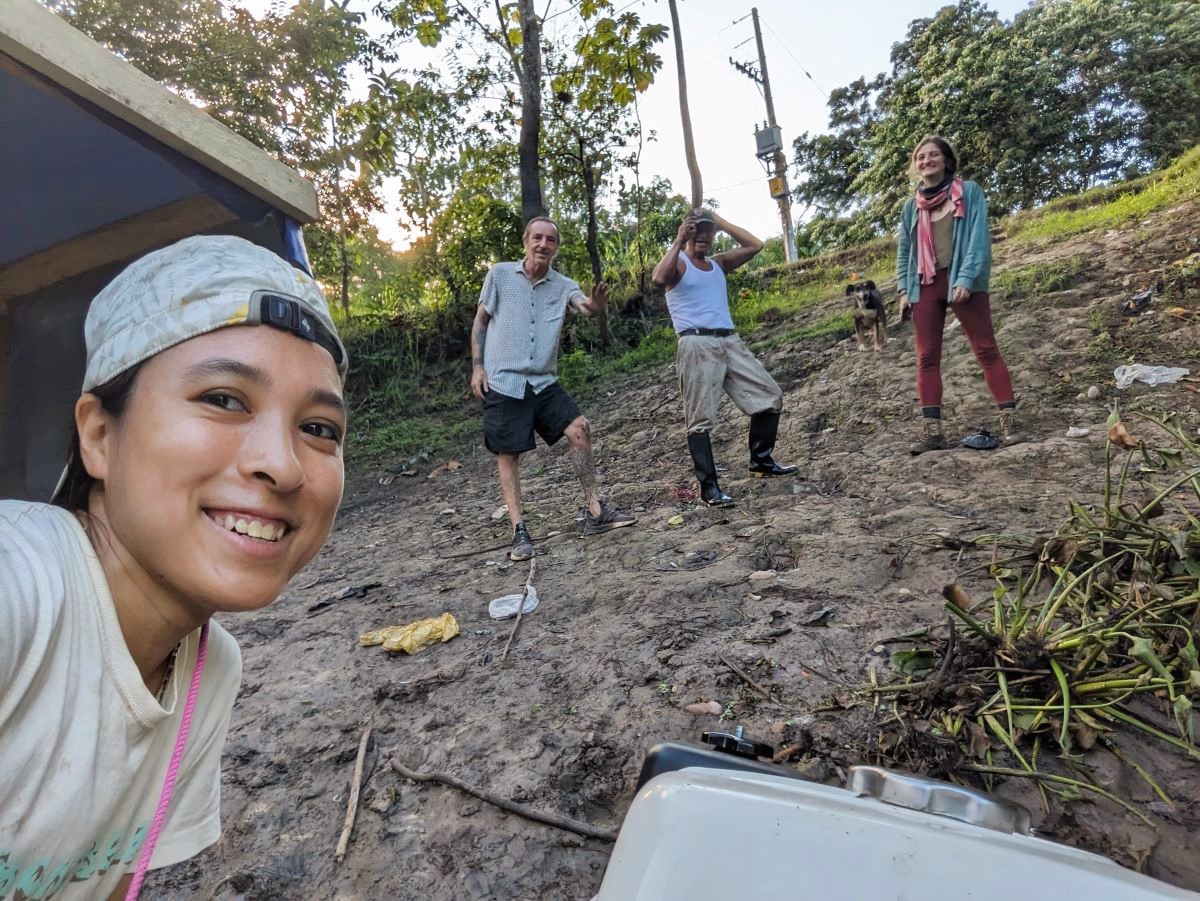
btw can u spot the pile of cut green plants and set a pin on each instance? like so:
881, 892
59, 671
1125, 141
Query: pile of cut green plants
1085, 647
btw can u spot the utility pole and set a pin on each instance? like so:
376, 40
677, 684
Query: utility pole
771, 144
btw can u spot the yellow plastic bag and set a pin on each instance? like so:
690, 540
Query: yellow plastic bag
414, 636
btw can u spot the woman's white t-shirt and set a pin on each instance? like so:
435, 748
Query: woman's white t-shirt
84, 745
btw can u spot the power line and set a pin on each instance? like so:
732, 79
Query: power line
740, 184
578, 2
824, 92
716, 33
546, 19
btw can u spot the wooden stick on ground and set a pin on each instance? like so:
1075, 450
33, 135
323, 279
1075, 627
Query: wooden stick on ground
520, 606
352, 804
550, 819
498, 547
741, 674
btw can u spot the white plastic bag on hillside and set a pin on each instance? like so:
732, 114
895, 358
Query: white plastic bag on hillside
1151, 375
506, 607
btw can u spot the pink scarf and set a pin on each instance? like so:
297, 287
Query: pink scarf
926, 257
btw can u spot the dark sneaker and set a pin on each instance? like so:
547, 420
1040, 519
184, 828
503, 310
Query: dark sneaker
522, 544
608, 520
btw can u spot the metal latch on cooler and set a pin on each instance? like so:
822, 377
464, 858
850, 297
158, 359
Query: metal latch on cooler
940, 798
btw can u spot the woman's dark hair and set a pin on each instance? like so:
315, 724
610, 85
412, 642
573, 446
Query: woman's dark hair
114, 397
943, 145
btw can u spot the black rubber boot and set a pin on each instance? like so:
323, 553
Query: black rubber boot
700, 447
763, 429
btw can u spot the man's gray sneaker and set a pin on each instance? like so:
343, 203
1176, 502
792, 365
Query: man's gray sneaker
522, 544
608, 520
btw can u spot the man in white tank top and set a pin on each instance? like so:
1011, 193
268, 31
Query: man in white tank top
711, 357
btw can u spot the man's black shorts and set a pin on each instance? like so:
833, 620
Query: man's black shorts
509, 424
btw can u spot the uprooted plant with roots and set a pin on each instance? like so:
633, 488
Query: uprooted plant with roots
1088, 635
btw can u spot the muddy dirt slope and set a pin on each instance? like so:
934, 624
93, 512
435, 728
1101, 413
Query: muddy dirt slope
801, 585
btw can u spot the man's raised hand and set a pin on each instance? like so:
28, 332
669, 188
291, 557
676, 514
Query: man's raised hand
687, 229
599, 298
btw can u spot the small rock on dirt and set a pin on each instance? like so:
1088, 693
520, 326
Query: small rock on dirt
1093, 393
705, 708
762, 575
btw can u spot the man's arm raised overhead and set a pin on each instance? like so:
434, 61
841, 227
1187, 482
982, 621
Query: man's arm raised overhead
670, 269
748, 245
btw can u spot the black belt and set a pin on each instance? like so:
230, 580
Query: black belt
708, 332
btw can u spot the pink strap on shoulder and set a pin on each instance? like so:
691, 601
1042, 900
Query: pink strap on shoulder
164, 800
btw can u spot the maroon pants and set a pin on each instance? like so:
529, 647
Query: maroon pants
975, 315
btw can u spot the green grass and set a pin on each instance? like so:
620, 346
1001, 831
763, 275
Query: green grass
839, 325
1037, 279
655, 349
406, 438
1112, 205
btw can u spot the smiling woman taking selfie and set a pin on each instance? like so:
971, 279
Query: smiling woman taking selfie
205, 471
944, 261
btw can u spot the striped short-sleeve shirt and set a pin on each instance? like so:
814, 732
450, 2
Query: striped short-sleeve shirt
522, 337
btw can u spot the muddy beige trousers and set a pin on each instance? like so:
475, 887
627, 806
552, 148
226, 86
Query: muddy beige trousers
707, 365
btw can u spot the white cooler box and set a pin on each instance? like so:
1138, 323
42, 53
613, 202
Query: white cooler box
702, 833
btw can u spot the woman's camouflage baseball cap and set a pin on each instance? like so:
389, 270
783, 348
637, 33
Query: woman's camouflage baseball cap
196, 286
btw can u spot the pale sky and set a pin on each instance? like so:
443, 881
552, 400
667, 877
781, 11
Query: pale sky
834, 43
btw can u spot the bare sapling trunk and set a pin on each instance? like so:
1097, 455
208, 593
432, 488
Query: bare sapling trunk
689, 145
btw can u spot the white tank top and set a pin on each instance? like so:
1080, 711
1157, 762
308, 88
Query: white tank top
700, 299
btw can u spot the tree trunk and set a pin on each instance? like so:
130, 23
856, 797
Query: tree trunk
529, 156
343, 255
689, 145
593, 242
345, 265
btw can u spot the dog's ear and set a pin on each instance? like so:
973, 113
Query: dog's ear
849, 290
870, 286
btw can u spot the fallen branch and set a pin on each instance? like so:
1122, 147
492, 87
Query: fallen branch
520, 607
741, 674
549, 819
499, 547
352, 804
474, 553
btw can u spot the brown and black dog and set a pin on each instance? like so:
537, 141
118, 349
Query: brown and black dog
869, 313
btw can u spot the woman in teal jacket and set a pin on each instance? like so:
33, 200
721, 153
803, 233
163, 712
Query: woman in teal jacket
944, 261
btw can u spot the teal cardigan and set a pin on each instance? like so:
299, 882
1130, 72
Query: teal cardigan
971, 257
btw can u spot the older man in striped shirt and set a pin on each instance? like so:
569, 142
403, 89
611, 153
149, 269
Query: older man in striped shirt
514, 359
